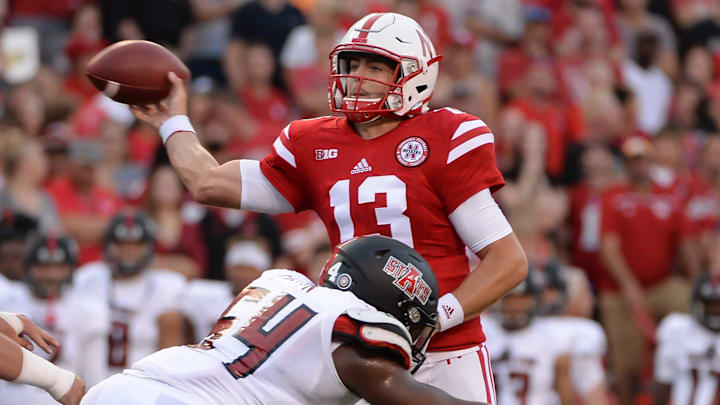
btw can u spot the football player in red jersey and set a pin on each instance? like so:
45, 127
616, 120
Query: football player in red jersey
390, 166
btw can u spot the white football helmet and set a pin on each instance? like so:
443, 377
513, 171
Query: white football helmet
399, 39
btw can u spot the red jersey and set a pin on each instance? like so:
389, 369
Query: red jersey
96, 202
403, 184
650, 227
585, 220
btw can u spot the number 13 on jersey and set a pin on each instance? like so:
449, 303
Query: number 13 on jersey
392, 214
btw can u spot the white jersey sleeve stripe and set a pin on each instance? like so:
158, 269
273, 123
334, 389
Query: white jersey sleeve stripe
469, 145
468, 126
284, 152
452, 110
286, 131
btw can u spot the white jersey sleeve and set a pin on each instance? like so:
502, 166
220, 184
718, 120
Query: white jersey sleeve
258, 194
479, 221
667, 358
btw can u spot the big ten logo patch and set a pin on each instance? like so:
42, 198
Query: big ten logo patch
324, 154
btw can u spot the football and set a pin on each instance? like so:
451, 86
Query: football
135, 72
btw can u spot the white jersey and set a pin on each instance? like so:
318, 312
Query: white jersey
7, 288
135, 304
204, 301
584, 340
524, 362
688, 357
80, 325
274, 345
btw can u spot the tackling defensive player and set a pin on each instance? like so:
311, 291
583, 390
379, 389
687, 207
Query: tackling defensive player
286, 340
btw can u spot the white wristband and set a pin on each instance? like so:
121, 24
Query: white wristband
174, 124
13, 320
450, 313
41, 373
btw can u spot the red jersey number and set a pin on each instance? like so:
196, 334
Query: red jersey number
118, 344
262, 343
392, 214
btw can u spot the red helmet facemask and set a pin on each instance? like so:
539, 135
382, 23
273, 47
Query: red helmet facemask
355, 107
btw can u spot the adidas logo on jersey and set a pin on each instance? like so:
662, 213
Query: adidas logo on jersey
361, 167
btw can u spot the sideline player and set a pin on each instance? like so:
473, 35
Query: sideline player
144, 302
688, 351
390, 166
532, 363
286, 340
78, 323
18, 364
583, 338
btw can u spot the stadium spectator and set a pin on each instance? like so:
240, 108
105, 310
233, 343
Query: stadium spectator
649, 83
266, 21
178, 244
161, 21
25, 107
25, 168
268, 105
534, 46
85, 207
462, 86
208, 38
123, 176
643, 230
633, 19
540, 100
304, 57
599, 180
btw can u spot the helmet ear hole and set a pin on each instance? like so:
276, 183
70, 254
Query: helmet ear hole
421, 88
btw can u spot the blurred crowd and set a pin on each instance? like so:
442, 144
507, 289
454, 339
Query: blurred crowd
606, 117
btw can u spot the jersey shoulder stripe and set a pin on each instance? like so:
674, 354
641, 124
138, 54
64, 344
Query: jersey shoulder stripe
385, 338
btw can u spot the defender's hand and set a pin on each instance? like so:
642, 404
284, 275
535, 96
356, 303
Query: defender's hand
33, 332
175, 104
77, 391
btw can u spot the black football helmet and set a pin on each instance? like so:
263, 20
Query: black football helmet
706, 301
15, 230
129, 227
49, 250
555, 289
518, 317
393, 278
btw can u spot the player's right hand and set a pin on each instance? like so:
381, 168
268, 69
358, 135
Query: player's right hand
77, 391
37, 335
175, 104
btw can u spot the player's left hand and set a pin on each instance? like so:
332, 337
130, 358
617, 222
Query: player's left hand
32, 332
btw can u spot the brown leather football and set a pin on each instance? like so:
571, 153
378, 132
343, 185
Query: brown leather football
135, 72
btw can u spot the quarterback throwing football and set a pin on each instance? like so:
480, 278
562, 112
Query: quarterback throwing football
389, 166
